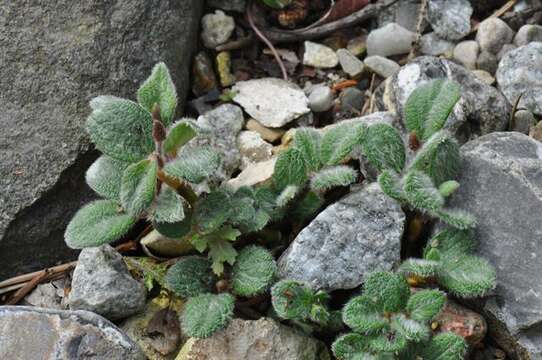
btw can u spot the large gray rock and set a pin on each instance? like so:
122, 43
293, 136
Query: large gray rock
56, 56
519, 75
264, 339
102, 284
356, 235
482, 109
501, 184
32, 333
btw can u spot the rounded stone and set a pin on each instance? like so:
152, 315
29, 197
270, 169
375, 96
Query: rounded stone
321, 99
493, 34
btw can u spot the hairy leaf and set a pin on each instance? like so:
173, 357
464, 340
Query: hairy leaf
389, 342
307, 206
452, 243
384, 147
307, 140
290, 169
339, 141
205, 314
104, 177
138, 187
175, 230
331, 177
159, 89
169, 207
213, 211
458, 218
219, 245
120, 128
194, 164
390, 291
424, 305
420, 267
190, 276
363, 315
421, 193
287, 195
429, 106
292, 300
410, 329
180, 133
100, 222
351, 346
253, 272
444, 346
390, 184
447, 188
467, 276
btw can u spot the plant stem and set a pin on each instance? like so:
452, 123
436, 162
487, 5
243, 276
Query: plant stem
182, 187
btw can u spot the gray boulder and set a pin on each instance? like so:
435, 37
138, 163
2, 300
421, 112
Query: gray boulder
56, 56
32, 333
102, 284
264, 339
482, 109
356, 235
519, 74
450, 18
501, 184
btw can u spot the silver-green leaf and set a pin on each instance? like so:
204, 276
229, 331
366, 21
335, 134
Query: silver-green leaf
169, 207
180, 133
104, 176
159, 89
138, 187
194, 164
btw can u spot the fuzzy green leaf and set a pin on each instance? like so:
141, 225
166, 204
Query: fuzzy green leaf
457, 218
292, 300
424, 305
410, 329
390, 184
447, 188
180, 133
220, 248
388, 342
213, 211
439, 158
384, 147
104, 177
452, 243
421, 193
120, 128
444, 346
287, 195
331, 177
194, 164
169, 207
190, 276
205, 314
429, 106
363, 315
390, 291
100, 222
290, 169
159, 89
307, 206
307, 140
467, 276
352, 346
138, 187
339, 141
420, 267
175, 230
253, 271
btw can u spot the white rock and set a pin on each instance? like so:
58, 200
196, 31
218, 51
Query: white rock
432, 44
216, 29
254, 174
493, 34
253, 148
466, 53
528, 33
321, 98
273, 102
392, 39
319, 56
381, 66
350, 63
450, 18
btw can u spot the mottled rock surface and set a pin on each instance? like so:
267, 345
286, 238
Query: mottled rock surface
263, 339
450, 18
56, 56
32, 333
482, 109
501, 184
493, 34
357, 234
519, 73
319, 56
102, 284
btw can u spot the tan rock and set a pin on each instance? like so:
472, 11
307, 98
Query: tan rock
161, 245
266, 133
254, 174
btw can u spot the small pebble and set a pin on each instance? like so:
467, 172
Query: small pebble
204, 75
253, 148
321, 99
493, 34
217, 28
523, 121
536, 132
392, 39
450, 18
432, 44
528, 33
487, 61
381, 66
352, 98
466, 53
357, 45
223, 64
350, 63
319, 56
268, 134
484, 76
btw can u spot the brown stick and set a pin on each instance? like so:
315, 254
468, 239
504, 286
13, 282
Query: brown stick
28, 287
27, 277
368, 12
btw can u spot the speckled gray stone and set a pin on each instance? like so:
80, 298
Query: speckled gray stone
528, 33
102, 284
350, 63
216, 29
493, 34
432, 44
381, 66
356, 235
32, 333
466, 53
501, 185
519, 73
450, 19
